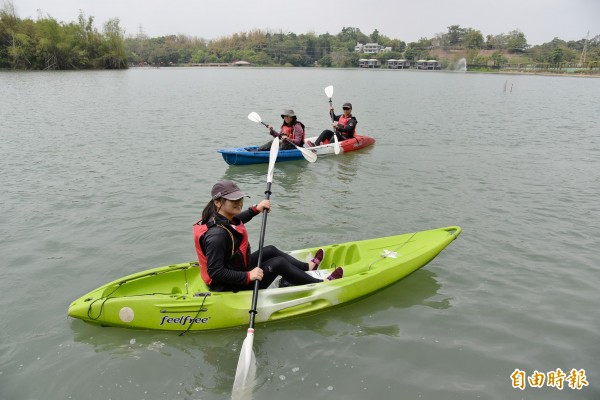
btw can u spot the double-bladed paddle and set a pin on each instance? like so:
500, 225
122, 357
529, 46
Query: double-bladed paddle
307, 154
246, 369
336, 143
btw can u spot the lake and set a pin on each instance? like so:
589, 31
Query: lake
104, 173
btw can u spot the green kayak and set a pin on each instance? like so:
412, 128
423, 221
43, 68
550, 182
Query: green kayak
175, 298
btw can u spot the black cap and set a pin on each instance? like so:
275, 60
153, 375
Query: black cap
349, 105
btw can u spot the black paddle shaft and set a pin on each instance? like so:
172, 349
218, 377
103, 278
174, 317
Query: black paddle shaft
285, 138
331, 111
263, 227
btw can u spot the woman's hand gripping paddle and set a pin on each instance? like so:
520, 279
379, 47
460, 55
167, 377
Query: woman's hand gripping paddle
336, 143
307, 154
246, 369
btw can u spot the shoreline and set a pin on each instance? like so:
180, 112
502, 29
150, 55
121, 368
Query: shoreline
506, 72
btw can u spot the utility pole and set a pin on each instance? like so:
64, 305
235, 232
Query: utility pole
141, 33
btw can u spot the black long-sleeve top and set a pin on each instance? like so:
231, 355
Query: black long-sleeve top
225, 264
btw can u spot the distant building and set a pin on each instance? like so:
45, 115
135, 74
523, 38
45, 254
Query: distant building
371, 48
428, 64
398, 64
368, 63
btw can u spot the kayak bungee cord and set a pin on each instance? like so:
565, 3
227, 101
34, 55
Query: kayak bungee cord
206, 294
390, 253
102, 305
107, 297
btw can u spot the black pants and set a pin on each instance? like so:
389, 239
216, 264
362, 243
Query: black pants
327, 134
275, 262
283, 145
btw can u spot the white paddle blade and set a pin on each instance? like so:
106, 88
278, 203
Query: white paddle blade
329, 91
245, 375
336, 144
272, 159
308, 155
254, 117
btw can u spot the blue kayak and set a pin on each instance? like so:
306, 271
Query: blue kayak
250, 155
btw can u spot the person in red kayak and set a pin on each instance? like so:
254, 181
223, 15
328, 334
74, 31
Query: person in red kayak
344, 126
291, 132
223, 248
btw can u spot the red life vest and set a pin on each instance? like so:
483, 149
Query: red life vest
244, 248
343, 120
288, 131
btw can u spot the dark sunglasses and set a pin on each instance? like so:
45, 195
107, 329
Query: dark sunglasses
238, 201
346, 108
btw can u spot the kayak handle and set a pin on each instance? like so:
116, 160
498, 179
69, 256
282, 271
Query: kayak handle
453, 230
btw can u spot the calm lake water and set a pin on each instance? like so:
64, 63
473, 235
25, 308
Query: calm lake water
104, 173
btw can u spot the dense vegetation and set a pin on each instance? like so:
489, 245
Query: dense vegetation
290, 49
48, 44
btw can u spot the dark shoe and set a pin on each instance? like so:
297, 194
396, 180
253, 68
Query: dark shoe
318, 258
336, 274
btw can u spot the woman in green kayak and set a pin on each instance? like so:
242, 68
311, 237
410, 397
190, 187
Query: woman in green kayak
222, 245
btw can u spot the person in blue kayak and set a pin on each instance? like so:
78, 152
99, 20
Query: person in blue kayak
291, 132
222, 245
344, 126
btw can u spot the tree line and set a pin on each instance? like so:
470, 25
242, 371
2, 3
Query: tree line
48, 44
289, 49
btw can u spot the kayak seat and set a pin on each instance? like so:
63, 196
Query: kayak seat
343, 255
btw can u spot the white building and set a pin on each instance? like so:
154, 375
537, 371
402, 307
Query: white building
371, 48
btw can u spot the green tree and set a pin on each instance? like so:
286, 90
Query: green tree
114, 49
48, 44
557, 55
473, 39
516, 42
498, 58
396, 45
418, 50
375, 38
455, 35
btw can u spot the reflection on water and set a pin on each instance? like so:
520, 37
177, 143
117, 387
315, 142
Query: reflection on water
286, 175
420, 288
348, 164
212, 356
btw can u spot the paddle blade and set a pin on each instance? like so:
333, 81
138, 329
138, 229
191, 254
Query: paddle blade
329, 91
336, 144
272, 159
254, 117
308, 155
245, 375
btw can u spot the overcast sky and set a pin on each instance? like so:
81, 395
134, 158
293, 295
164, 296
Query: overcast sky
407, 20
